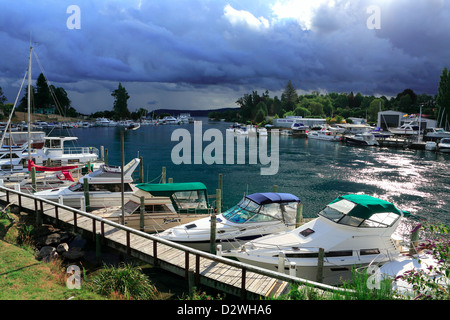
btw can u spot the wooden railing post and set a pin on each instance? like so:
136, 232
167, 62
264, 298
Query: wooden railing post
243, 280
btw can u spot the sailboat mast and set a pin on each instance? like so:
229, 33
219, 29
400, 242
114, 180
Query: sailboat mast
29, 105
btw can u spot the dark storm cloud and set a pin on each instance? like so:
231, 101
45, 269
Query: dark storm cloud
202, 46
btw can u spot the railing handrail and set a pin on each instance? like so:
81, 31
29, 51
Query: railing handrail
233, 263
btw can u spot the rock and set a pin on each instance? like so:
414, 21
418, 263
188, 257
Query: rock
74, 254
62, 247
47, 253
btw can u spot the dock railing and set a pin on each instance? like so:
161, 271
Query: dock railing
155, 239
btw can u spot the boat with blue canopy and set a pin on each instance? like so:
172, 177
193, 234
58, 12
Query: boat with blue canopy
254, 216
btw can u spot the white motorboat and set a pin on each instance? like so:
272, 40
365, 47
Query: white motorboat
361, 139
104, 187
286, 133
262, 131
56, 150
410, 128
254, 216
299, 129
353, 231
241, 130
436, 133
444, 145
323, 134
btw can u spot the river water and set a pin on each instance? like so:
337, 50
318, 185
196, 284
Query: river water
316, 171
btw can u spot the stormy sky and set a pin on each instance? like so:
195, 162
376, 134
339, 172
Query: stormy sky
205, 54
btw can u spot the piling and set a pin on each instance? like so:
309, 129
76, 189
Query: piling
170, 180
141, 170
221, 187
163, 175
86, 194
275, 188
214, 222
33, 179
320, 265
98, 248
142, 213
106, 156
414, 239
299, 216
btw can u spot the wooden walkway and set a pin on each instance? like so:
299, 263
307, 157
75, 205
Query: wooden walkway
197, 267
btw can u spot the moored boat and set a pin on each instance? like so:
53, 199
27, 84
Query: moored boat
353, 231
254, 216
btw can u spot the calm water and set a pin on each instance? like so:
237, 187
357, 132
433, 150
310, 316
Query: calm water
316, 171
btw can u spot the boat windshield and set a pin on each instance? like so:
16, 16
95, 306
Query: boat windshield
190, 199
249, 211
338, 211
76, 187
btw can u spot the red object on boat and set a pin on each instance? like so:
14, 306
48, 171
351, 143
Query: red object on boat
42, 168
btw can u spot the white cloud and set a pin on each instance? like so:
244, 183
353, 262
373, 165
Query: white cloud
237, 17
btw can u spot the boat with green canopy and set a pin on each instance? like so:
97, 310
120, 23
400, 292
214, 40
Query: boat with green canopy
186, 197
353, 230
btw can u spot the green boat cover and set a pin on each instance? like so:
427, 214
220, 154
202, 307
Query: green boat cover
167, 189
366, 206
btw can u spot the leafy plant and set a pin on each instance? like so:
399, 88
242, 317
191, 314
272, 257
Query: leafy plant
124, 282
433, 282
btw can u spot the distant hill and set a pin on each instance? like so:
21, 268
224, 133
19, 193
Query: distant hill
193, 113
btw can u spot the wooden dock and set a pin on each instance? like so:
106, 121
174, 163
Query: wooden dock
197, 267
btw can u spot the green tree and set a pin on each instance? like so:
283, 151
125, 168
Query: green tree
289, 97
374, 108
3, 98
316, 108
42, 97
443, 96
120, 102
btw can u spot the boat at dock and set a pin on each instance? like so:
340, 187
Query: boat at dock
353, 231
323, 134
105, 187
436, 134
165, 205
299, 129
361, 139
444, 145
410, 128
254, 216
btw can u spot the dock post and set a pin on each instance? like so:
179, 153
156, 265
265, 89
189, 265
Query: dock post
163, 175
414, 239
170, 180
141, 170
33, 179
281, 262
221, 188
320, 265
292, 269
98, 249
214, 224
142, 219
106, 156
275, 188
86, 194
299, 217
102, 153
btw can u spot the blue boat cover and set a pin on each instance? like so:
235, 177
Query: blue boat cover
271, 197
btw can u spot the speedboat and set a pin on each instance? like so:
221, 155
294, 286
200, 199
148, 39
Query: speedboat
353, 231
254, 216
299, 128
444, 145
323, 134
361, 139
410, 128
105, 185
436, 133
241, 130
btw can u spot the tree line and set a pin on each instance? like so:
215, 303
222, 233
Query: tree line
48, 99
335, 107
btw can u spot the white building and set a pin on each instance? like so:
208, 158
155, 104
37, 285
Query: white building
290, 120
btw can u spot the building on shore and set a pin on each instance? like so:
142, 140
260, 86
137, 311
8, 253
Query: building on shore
290, 120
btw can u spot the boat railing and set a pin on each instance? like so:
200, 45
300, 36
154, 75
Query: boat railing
80, 150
